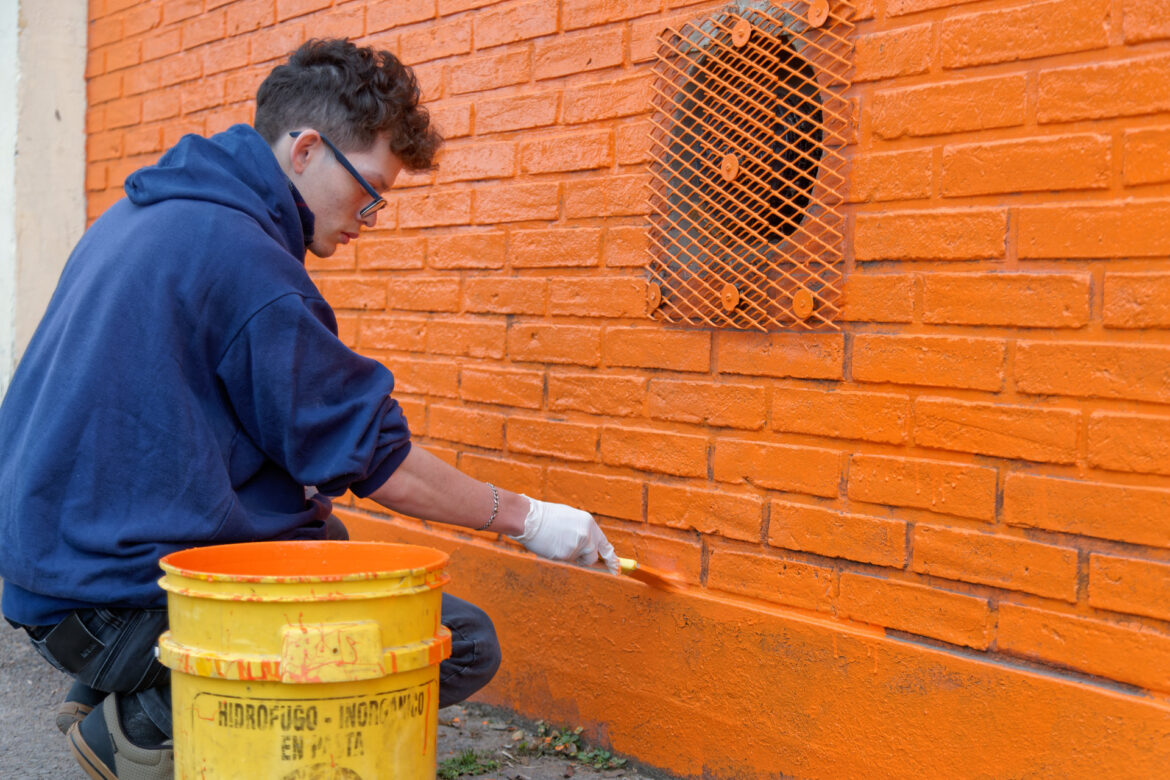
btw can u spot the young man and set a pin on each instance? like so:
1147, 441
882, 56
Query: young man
187, 387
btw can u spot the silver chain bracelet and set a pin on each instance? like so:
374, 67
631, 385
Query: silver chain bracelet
495, 508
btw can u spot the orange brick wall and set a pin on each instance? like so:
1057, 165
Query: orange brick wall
976, 466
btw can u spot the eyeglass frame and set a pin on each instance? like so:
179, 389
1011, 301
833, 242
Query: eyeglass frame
378, 202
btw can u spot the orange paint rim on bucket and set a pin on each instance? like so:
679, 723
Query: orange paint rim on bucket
300, 562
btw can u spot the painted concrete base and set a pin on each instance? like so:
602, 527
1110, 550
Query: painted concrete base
708, 687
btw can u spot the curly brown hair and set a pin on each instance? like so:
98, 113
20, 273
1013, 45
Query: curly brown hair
351, 95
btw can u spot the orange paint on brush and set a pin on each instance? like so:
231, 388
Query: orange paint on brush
652, 577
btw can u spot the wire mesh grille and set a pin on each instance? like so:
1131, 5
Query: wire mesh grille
747, 170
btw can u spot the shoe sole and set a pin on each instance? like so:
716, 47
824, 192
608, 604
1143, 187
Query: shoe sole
85, 757
71, 712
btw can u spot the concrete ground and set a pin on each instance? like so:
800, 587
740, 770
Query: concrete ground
31, 747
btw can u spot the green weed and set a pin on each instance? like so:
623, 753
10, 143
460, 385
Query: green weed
468, 763
551, 741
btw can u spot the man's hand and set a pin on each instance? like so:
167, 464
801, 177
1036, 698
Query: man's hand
565, 534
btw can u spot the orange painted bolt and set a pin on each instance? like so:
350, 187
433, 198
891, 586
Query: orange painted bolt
653, 296
729, 167
741, 32
802, 303
818, 12
729, 297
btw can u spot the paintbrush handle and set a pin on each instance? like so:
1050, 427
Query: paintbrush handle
627, 565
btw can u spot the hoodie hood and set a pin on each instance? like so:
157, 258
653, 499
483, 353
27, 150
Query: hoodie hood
235, 168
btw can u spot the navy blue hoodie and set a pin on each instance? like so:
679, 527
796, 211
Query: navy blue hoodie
185, 385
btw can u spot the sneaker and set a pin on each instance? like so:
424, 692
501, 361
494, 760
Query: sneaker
78, 703
104, 752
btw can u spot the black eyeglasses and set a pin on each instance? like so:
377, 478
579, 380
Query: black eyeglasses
378, 202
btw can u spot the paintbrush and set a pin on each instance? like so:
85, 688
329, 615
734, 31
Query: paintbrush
657, 579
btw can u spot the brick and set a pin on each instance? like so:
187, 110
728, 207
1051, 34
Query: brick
902, 7
703, 403
1130, 442
177, 10
425, 376
625, 247
877, 540
249, 15
937, 361
1001, 562
202, 94
123, 54
1072, 162
430, 80
959, 234
1139, 300
467, 426
802, 355
1123, 513
386, 16
1019, 432
578, 53
957, 489
353, 293
477, 161
452, 120
163, 44
106, 88
675, 350
141, 19
1145, 20
507, 473
1135, 372
1139, 656
435, 42
644, 34
478, 74
554, 248
903, 175
632, 143
434, 207
242, 85
103, 32
1027, 31
839, 414
398, 253
276, 42
420, 293
471, 338
950, 107
710, 512
792, 469
917, 609
1117, 88
1033, 300
607, 100
878, 298
597, 297
394, 333
663, 452
678, 555
516, 203
203, 29
598, 494
562, 440
515, 112
608, 196
124, 112
504, 295
901, 52
506, 387
604, 394
792, 583
576, 14
287, 9
545, 343
1082, 230
226, 55
1130, 585
513, 22
1145, 155
481, 249
143, 140
567, 152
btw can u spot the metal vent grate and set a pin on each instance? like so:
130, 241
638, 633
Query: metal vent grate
750, 119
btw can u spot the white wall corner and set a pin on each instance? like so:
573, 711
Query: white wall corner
42, 175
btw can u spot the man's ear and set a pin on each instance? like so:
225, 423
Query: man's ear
304, 147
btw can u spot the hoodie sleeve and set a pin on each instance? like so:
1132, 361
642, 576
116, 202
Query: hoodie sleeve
314, 406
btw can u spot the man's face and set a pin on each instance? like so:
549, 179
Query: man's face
333, 195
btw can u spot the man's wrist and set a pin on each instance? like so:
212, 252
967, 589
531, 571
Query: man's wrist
510, 517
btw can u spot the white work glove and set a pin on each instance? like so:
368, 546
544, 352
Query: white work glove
565, 534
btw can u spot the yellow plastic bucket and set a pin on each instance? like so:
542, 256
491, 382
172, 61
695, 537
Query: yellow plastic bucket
305, 660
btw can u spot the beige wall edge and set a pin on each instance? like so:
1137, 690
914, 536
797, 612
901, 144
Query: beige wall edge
42, 159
